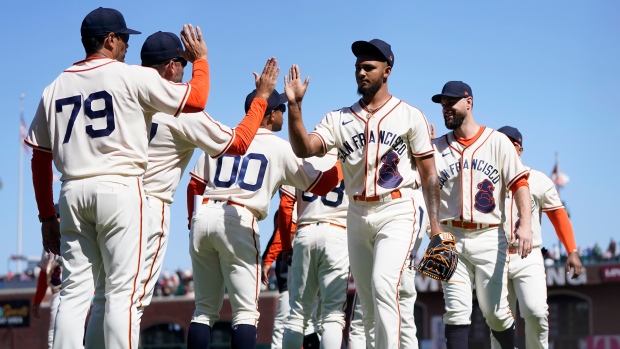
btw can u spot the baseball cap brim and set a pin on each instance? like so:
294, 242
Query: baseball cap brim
437, 98
129, 31
361, 47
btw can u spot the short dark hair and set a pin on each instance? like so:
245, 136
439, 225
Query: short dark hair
92, 44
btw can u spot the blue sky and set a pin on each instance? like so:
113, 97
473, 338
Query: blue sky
549, 68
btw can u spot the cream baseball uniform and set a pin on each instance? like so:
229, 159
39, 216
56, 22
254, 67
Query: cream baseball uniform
171, 146
473, 182
407, 293
377, 153
224, 238
527, 280
320, 265
94, 119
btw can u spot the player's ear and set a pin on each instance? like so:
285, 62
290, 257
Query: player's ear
387, 71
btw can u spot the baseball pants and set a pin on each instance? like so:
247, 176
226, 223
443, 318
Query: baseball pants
320, 268
102, 229
483, 264
278, 322
225, 252
54, 301
527, 282
158, 215
407, 296
380, 239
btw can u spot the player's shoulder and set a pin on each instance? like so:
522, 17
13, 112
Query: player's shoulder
536, 175
408, 107
442, 142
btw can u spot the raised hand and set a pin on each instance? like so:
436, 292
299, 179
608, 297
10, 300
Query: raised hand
293, 87
195, 47
266, 82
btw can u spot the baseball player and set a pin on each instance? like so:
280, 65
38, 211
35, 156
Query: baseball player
320, 262
527, 281
172, 143
224, 240
92, 121
49, 277
476, 166
384, 147
273, 254
407, 294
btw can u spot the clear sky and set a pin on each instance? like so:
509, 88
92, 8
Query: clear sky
550, 68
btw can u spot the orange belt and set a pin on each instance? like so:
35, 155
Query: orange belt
394, 195
469, 225
229, 202
319, 223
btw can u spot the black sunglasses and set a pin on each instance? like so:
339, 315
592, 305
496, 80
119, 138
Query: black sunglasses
183, 61
123, 37
281, 108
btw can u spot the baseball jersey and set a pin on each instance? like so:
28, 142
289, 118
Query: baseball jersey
172, 144
474, 179
545, 197
93, 131
311, 208
252, 179
377, 150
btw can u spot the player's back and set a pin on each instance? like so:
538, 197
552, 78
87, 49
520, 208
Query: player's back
331, 208
252, 179
98, 112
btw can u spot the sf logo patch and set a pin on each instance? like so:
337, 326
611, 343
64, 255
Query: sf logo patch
388, 173
485, 202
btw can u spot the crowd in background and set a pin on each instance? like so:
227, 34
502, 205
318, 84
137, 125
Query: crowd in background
181, 282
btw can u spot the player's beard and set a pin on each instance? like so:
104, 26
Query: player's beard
370, 90
456, 121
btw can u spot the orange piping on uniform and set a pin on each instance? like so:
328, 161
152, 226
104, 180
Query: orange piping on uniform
258, 275
135, 278
378, 144
469, 142
161, 236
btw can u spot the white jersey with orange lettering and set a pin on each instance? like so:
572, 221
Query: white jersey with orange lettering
377, 151
545, 197
473, 182
320, 263
94, 132
527, 281
94, 118
224, 238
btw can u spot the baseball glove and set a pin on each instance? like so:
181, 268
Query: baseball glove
440, 258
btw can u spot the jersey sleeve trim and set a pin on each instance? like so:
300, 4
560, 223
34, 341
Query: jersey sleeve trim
525, 174
417, 155
318, 178
183, 101
545, 209
198, 178
230, 142
34, 146
322, 141
287, 192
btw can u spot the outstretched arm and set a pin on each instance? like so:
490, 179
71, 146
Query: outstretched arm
430, 189
564, 230
304, 145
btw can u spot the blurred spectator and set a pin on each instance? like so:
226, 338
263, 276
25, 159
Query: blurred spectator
611, 250
597, 252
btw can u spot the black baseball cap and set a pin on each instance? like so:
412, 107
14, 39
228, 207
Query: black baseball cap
102, 21
275, 100
512, 133
453, 89
160, 47
374, 48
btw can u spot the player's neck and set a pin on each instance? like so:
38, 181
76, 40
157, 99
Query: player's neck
374, 102
468, 129
101, 53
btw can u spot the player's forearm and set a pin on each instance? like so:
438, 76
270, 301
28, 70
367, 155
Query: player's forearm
285, 221
247, 128
200, 83
563, 228
41, 288
430, 190
193, 188
42, 178
524, 205
302, 144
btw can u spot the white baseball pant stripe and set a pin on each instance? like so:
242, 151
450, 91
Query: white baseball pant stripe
381, 235
527, 282
483, 263
102, 229
320, 267
225, 251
